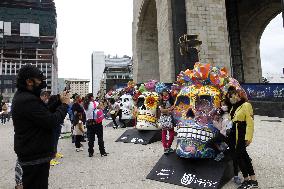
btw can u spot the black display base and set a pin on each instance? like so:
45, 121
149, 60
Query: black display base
191, 173
129, 122
140, 136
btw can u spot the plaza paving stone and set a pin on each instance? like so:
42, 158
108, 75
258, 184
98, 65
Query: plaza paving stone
128, 164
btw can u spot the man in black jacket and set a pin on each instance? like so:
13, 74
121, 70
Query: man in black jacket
33, 127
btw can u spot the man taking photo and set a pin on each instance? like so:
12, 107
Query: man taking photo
33, 127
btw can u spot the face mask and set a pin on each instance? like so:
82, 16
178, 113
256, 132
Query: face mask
233, 100
166, 97
224, 108
37, 89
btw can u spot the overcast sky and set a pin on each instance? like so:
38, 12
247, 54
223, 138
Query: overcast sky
91, 25
106, 25
272, 47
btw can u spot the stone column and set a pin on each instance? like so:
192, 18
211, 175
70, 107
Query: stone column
165, 41
207, 19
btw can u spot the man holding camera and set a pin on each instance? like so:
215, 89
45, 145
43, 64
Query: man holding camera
33, 127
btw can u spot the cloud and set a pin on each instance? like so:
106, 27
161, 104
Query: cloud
91, 25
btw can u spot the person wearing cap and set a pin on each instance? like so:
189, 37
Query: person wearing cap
33, 127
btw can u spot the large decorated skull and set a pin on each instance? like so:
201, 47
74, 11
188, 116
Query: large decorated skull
194, 132
195, 107
147, 105
127, 107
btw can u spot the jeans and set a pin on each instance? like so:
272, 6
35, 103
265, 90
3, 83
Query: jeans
36, 176
57, 132
78, 140
4, 117
168, 143
93, 130
241, 154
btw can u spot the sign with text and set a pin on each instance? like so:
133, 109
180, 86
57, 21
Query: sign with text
199, 174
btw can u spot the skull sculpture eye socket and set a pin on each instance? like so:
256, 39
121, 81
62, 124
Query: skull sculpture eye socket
182, 104
140, 101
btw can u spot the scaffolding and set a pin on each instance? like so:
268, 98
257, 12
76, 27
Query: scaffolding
27, 36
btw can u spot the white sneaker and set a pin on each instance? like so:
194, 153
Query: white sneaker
77, 149
81, 149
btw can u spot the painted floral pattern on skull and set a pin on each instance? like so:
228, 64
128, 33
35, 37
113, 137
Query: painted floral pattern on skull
147, 105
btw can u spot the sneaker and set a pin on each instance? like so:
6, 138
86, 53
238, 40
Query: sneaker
81, 149
166, 151
77, 149
245, 185
104, 154
53, 162
237, 180
254, 183
59, 155
171, 150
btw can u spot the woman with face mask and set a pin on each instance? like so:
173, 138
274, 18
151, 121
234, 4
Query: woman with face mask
223, 123
242, 134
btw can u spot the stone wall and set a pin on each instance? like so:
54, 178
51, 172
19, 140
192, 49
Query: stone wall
152, 41
207, 18
254, 16
165, 32
153, 55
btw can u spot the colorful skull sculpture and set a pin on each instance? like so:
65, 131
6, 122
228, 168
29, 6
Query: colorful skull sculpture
195, 107
194, 110
127, 107
147, 105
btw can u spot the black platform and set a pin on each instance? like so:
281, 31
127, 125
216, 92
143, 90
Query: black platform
128, 123
192, 173
140, 136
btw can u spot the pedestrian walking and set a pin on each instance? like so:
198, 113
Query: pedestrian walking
4, 114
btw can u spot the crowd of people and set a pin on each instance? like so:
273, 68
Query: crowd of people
38, 118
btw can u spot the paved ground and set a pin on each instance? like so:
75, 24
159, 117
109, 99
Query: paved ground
128, 164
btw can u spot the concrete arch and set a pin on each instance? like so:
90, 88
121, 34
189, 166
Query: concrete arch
254, 16
146, 65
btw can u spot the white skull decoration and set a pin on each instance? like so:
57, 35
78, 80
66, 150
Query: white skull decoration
127, 106
147, 111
